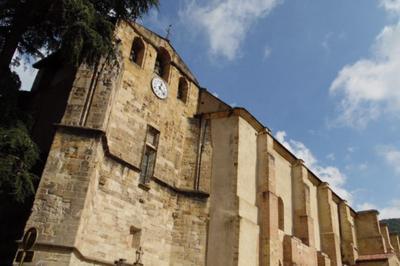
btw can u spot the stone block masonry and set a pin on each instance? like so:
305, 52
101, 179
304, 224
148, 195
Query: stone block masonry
185, 180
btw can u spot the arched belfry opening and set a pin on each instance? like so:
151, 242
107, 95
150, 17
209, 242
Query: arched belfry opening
137, 51
162, 65
183, 89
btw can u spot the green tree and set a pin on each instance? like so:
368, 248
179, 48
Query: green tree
393, 224
81, 30
18, 153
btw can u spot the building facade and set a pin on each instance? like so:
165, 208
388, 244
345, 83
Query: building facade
146, 166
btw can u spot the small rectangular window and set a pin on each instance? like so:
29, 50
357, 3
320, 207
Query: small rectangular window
149, 155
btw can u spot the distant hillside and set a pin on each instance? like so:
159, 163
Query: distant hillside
393, 224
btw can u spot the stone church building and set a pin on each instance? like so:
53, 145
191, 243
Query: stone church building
145, 165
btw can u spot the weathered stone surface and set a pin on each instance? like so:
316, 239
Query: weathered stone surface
223, 192
369, 236
348, 233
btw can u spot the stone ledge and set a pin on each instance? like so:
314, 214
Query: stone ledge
185, 192
375, 257
196, 194
64, 249
80, 129
98, 133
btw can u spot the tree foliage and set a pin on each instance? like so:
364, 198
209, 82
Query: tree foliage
393, 224
18, 153
81, 30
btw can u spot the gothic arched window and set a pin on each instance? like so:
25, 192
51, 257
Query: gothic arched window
162, 64
137, 51
183, 90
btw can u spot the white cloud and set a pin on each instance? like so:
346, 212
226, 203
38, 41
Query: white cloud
159, 23
391, 156
363, 166
351, 149
390, 211
25, 70
371, 87
391, 5
366, 206
26, 74
357, 167
267, 52
326, 42
330, 174
331, 156
226, 22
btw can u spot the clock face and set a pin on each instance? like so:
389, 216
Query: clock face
159, 88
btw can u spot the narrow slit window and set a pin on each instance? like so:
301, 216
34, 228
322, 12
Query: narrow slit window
281, 214
149, 155
152, 136
136, 236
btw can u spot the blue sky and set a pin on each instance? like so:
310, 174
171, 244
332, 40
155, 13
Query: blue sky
323, 75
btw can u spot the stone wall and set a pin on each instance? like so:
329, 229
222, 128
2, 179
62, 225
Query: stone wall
369, 236
395, 241
284, 189
297, 253
348, 233
224, 218
247, 192
168, 227
135, 106
223, 192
